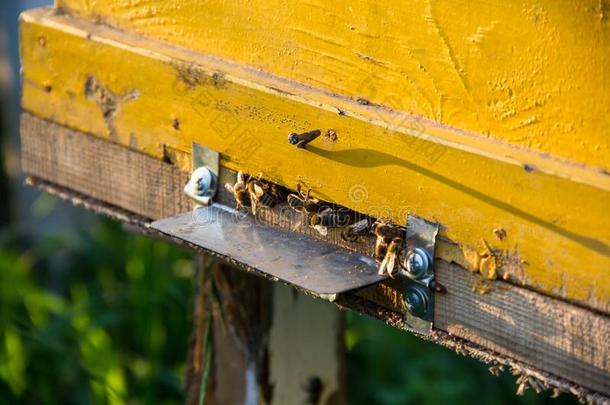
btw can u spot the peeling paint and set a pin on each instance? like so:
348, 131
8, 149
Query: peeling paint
108, 102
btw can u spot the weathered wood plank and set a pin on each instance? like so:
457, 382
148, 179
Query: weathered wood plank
542, 332
553, 222
132, 181
532, 73
564, 339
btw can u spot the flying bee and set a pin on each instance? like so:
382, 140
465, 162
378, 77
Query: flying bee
240, 192
389, 261
354, 231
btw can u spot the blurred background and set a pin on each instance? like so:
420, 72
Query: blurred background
92, 314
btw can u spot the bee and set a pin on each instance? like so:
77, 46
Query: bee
387, 244
389, 260
320, 215
257, 190
240, 192
354, 231
303, 202
330, 217
264, 193
278, 192
385, 231
381, 248
251, 192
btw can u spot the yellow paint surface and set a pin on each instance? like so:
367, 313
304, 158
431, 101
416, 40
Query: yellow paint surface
557, 230
535, 73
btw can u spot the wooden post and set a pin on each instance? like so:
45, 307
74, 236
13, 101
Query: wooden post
269, 344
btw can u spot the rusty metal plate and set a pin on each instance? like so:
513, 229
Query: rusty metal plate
294, 258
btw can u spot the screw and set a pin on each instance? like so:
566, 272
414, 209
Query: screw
301, 140
437, 287
416, 300
417, 263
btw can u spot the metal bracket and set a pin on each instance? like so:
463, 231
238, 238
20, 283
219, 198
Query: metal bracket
418, 274
203, 184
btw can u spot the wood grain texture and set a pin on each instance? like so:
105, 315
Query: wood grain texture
121, 87
545, 333
132, 181
533, 73
550, 334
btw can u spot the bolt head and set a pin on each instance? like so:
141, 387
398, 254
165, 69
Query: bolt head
293, 138
416, 300
417, 263
202, 185
203, 178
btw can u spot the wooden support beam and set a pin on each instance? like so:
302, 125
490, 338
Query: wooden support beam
545, 218
303, 356
558, 342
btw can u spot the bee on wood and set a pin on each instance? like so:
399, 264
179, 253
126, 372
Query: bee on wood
330, 217
387, 245
258, 192
251, 192
264, 193
355, 231
389, 260
277, 192
303, 202
320, 215
239, 191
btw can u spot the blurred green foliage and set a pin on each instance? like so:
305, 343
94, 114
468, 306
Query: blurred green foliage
92, 315
97, 315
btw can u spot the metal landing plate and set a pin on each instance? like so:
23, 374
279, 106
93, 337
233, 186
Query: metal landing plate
294, 258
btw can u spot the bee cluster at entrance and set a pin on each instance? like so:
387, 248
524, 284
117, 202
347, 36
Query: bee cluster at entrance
252, 193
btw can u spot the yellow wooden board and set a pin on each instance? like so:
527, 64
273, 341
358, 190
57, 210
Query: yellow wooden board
547, 222
534, 73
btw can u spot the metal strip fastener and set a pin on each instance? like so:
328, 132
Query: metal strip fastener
203, 184
418, 274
